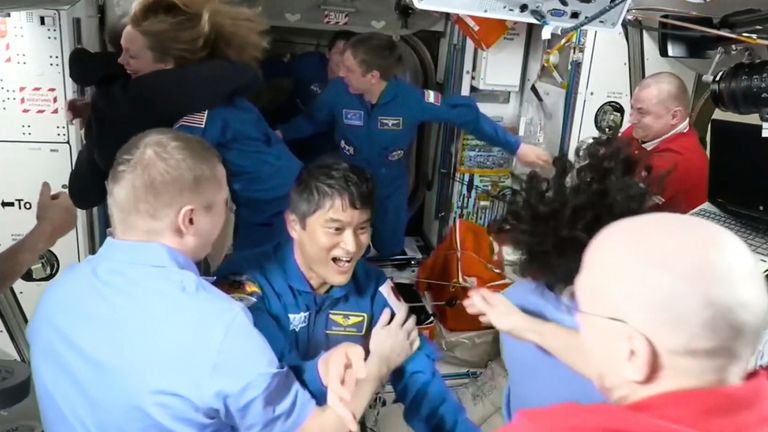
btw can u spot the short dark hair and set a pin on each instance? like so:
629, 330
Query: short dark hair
376, 52
322, 182
340, 36
550, 221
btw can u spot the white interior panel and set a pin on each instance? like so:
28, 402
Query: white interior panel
27, 165
32, 95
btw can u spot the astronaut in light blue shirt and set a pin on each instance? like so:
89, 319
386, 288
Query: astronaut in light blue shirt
132, 339
550, 222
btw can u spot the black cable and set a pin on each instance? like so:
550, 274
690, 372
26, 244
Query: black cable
599, 14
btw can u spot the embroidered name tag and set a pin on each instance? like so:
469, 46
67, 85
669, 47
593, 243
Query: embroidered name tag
346, 323
390, 123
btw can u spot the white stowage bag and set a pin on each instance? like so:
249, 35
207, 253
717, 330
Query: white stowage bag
483, 396
473, 349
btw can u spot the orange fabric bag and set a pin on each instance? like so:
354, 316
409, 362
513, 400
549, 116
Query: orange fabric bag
466, 257
483, 32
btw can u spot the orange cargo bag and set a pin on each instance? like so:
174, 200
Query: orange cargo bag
483, 32
466, 257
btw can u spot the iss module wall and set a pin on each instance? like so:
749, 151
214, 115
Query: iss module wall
39, 146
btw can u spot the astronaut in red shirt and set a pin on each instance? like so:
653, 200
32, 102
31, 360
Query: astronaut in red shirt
669, 331
661, 130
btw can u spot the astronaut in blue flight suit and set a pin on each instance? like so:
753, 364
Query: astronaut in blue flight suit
309, 73
376, 117
260, 169
314, 292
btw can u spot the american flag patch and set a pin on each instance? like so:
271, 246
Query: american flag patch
196, 120
432, 97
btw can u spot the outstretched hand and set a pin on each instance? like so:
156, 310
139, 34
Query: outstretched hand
534, 157
494, 309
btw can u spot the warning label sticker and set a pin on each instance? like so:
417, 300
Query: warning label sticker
38, 100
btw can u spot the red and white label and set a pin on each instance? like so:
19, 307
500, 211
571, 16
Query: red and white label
336, 17
38, 100
3, 28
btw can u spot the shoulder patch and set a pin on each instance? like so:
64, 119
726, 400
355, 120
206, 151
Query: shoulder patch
432, 97
196, 120
353, 117
240, 288
387, 289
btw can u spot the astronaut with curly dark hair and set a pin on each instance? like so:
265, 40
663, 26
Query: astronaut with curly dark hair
550, 221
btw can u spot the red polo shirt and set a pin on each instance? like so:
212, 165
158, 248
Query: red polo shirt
741, 408
680, 169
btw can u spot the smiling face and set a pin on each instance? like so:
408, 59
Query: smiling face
330, 242
137, 58
652, 115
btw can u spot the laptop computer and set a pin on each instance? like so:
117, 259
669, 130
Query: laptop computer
738, 184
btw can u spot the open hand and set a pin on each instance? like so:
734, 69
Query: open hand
534, 157
494, 309
392, 342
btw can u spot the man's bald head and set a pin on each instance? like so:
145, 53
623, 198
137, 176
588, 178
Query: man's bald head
669, 88
692, 298
660, 104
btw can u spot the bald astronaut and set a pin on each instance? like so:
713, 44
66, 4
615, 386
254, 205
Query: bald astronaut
662, 133
668, 331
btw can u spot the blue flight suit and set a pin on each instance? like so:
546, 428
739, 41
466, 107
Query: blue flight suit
300, 325
260, 169
309, 72
378, 138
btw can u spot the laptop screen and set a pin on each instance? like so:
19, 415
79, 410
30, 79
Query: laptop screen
738, 168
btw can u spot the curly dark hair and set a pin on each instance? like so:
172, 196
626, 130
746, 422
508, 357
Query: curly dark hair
551, 220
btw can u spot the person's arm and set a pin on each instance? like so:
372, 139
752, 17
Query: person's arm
306, 371
392, 342
429, 405
463, 112
257, 393
173, 93
56, 217
88, 68
318, 118
87, 181
563, 343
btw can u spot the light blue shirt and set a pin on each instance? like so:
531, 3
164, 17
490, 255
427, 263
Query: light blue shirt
536, 378
132, 339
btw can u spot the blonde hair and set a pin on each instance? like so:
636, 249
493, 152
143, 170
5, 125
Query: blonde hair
156, 174
188, 31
